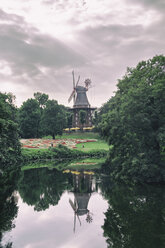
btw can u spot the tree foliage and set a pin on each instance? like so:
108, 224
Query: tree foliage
134, 123
53, 119
82, 116
40, 116
29, 119
41, 98
9, 142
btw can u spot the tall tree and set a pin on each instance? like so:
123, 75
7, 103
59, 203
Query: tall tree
9, 142
29, 119
53, 119
135, 123
41, 98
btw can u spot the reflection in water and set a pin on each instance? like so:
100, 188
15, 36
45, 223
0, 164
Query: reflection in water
135, 217
82, 190
8, 201
42, 187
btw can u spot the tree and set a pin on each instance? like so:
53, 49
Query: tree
41, 98
135, 123
29, 119
69, 118
53, 119
9, 142
82, 117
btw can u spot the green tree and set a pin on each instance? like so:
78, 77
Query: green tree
41, 98
9, 142
135, 123
29, 119
69, 118
82, 116
53, 119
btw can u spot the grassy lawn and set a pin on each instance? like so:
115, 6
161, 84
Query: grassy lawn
89, 146
70, 140
88, 149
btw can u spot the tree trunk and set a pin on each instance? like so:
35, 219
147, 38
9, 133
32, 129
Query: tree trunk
53, 135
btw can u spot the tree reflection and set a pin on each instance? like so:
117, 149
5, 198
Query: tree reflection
42, 187
8, 201
135, 217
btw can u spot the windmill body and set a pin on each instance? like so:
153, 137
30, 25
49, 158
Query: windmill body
81, 98
80, 102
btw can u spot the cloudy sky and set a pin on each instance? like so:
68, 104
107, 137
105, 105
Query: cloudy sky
42, 41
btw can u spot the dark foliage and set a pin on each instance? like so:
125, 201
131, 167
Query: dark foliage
133, 122
9, 142
135, 216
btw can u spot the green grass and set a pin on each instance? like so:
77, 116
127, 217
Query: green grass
89, 146
95, 149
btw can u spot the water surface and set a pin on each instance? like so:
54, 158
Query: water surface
50, 208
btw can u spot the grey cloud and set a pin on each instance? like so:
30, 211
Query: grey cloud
10, 17
50, 1
108, 39
150, 4
106, 51
26, 50
112, 39
115, 47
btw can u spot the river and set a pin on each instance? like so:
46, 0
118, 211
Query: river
76, 209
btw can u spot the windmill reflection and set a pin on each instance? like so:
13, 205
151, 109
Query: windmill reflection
83, 187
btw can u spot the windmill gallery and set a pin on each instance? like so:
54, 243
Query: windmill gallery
81, 110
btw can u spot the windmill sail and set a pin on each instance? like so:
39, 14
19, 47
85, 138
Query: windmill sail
72, 205
71, 96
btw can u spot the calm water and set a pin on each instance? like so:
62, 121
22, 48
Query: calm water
47, 208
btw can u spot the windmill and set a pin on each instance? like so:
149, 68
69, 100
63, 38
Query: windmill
81, 103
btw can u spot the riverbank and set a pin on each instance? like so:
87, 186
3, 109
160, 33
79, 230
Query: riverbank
74, 150
59, 153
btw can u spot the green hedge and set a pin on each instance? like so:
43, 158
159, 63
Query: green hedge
60, 153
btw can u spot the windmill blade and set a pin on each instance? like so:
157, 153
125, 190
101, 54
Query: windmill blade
72, 205
73, 79
78, 80
74, 227
78, 219
71, 96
